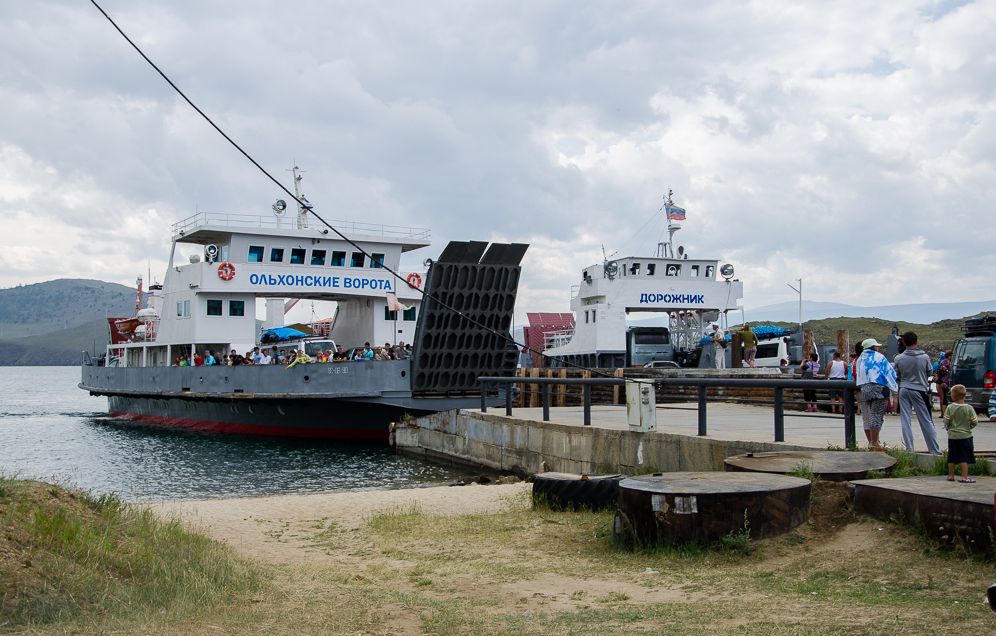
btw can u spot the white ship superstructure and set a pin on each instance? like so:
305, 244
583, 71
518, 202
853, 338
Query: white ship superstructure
690, 292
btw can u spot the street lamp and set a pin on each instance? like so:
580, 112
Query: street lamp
798, 291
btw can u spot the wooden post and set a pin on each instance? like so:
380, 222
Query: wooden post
586, 374
520, 399
616, 390
534, 388
808, 345
562, 389
736, 355
843, 343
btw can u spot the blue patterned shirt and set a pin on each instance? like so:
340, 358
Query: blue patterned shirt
874, 368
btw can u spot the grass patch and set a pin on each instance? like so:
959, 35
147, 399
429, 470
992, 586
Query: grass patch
67, 555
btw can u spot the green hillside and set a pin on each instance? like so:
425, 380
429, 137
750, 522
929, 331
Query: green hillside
29, 310
934, 338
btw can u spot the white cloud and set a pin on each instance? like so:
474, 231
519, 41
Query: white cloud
850, 144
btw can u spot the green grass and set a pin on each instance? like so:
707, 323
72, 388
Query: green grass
67, 555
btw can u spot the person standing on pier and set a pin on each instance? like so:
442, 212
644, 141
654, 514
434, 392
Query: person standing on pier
719, 346
876, 380
749, 342
959, 420
913, 368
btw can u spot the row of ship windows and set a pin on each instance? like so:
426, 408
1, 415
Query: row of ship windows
214, 308
238, 308
299, 256
671, 269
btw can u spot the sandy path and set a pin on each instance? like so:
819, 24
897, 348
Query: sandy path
282, 529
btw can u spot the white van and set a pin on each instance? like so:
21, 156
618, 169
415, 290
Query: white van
772, 352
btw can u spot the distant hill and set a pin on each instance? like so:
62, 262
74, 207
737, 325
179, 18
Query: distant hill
29, 310
919, 313
57, 348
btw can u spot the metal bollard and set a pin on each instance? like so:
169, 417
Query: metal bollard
779, 414
703, 415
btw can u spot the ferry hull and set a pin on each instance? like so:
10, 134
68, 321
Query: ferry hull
304, 418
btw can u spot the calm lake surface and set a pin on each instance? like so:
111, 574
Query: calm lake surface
52, 431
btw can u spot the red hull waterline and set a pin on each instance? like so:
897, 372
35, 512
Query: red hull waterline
244, 428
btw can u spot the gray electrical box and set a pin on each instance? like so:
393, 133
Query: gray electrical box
641, 406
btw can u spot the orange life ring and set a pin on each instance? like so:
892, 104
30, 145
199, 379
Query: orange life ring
414, 280
226, 271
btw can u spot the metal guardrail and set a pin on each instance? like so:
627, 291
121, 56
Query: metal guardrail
778, 384
289, 222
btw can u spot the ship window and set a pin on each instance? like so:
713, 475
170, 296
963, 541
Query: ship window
586, 316
214, 307
673, 270
236, 308
695, 271
317, 257
390, 315
409, 314
377, 261
255, 254
593, 314
297, 256
651, 269
179, 309
277, 255
635, 269
186, 309
710, 271
338, 259
224, 253
356, 260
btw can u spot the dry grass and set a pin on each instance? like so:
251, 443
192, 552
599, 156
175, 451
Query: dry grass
536, 571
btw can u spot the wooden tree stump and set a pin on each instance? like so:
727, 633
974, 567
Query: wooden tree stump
701, 507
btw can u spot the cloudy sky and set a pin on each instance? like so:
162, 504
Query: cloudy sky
851, 144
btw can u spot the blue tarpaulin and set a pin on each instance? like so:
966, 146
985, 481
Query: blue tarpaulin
279, 334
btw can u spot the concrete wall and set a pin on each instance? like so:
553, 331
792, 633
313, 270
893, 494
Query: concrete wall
509, 444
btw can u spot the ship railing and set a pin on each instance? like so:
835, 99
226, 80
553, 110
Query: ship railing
270, 222
701, 384
559, 338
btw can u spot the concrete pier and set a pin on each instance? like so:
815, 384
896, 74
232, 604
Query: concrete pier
524, 443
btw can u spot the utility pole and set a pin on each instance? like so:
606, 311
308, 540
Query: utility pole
798, 291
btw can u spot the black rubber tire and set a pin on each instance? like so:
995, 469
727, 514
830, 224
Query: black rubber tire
576, 492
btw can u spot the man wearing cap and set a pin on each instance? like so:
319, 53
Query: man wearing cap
913, 370
875, 379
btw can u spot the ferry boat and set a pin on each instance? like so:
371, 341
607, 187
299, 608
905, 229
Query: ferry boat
209, 303
689, 293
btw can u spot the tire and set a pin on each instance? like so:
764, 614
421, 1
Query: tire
576, 492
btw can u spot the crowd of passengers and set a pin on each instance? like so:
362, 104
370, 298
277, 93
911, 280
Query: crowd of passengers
274, 355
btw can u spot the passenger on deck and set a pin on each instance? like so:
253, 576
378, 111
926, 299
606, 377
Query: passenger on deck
339, 355
300, 358
234, 359
368, 352
209, 360
264, 358
257, 356
198, 360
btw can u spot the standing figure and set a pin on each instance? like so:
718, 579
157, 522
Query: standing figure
719, 346
749, 342
809, 370
876, 380
913, 369
942, 379
959, 420
836, 370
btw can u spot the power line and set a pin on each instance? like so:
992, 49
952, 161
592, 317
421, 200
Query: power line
309, 206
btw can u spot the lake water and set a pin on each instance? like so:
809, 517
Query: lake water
53, 431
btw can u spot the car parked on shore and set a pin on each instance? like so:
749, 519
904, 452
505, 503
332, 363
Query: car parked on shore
974, 360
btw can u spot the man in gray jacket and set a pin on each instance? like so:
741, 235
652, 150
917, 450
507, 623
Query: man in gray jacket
913, 368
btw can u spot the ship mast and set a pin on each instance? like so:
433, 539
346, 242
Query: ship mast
666, 250
304, 206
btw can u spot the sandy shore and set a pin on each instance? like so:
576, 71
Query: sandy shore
282, 529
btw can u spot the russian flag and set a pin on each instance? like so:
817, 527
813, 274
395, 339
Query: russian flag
674, 213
